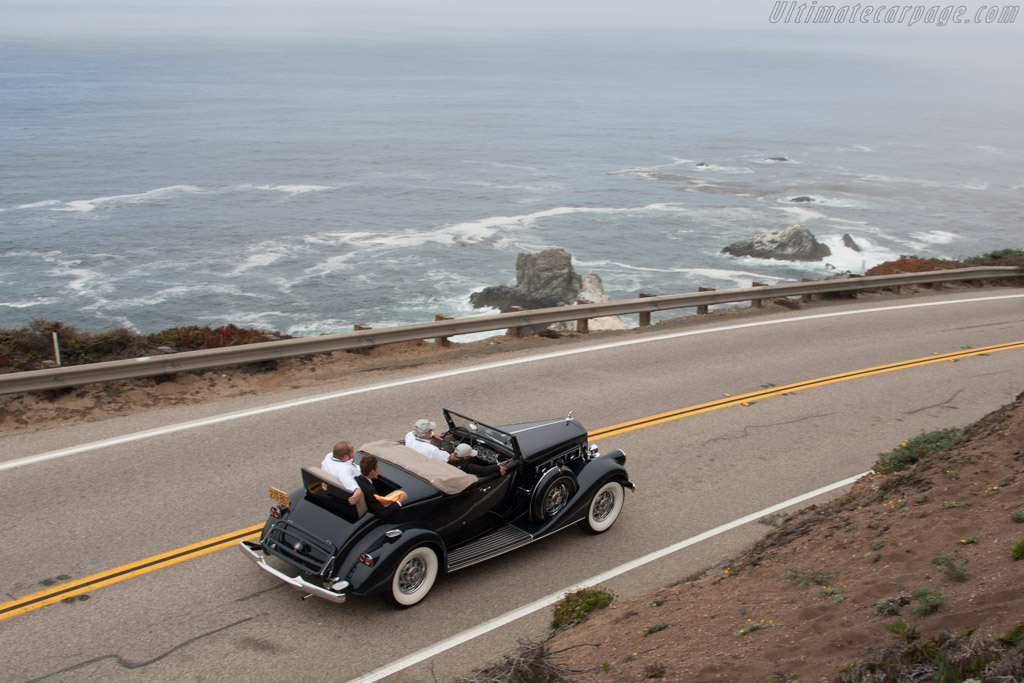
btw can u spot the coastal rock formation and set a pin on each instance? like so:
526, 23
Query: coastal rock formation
802, 199
592, 292
849, 243
795, 243
544, 280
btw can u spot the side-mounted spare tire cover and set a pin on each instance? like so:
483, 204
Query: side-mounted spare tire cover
551, 493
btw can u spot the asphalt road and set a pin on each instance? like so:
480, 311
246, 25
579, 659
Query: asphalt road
75, 509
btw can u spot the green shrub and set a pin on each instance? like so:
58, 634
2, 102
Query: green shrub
1017, 515
948, 566
927, 601
912, 450
194, 337
1001, 257
1018, 550
575, 607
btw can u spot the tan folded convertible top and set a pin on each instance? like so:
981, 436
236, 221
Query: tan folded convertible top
447, 479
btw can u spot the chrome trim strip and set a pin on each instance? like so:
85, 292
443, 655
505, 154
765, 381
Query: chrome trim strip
297, 582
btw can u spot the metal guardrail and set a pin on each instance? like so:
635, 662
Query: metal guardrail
56, 378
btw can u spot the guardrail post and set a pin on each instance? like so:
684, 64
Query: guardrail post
359, 327
702, 309
515, 331
806, 298
645, 316
757, 303
583, 324
442, 341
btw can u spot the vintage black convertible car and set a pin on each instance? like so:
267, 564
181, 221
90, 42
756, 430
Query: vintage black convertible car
451, 519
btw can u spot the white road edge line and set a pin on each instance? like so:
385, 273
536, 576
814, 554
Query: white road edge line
509, 617
218, 419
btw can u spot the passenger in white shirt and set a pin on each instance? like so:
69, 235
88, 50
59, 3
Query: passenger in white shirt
341, 464
419, 440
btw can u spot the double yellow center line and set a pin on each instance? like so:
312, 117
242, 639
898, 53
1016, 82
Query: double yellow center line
746, 399
77, 587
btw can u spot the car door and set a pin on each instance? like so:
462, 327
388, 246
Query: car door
477, 510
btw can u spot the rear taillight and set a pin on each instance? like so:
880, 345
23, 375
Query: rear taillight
278, 511
366, 559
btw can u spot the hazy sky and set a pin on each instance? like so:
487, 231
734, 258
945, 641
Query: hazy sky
266, 18
734, 25
470, 20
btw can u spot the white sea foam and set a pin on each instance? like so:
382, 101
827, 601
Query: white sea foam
296, 189
484, 230
498, 164
935, 236
264, 320
526, 187
845, 259
740, 278
702, 167
41, 301
88, 205
262, 255
802, 214
40, 205
332, 265
923, 183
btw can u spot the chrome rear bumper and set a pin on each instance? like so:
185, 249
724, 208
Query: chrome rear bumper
255, 553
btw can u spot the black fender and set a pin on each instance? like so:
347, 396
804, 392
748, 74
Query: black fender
384, 548
597, 472
590, 477
541, 489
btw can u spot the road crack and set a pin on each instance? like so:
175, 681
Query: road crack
747, 429
126, 664
944, 404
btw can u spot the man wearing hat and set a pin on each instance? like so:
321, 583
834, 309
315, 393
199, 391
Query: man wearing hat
463, 459
419, 439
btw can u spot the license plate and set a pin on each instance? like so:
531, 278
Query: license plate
279, 497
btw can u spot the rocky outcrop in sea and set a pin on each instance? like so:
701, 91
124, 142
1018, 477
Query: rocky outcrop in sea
795, 243
544, 280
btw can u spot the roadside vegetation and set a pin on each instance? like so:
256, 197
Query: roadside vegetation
32, 347
912, 575
916, 264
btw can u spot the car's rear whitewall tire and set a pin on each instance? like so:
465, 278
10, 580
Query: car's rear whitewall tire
604, 508
414, 577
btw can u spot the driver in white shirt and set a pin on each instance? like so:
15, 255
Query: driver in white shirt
419, 440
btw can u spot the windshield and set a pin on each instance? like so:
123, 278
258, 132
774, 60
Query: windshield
465, 425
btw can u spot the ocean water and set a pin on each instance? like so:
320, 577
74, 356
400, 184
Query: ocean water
305, 190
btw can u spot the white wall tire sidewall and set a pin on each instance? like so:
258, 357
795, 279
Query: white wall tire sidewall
428, 557
598, 526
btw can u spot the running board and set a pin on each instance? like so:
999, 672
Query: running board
493, 544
